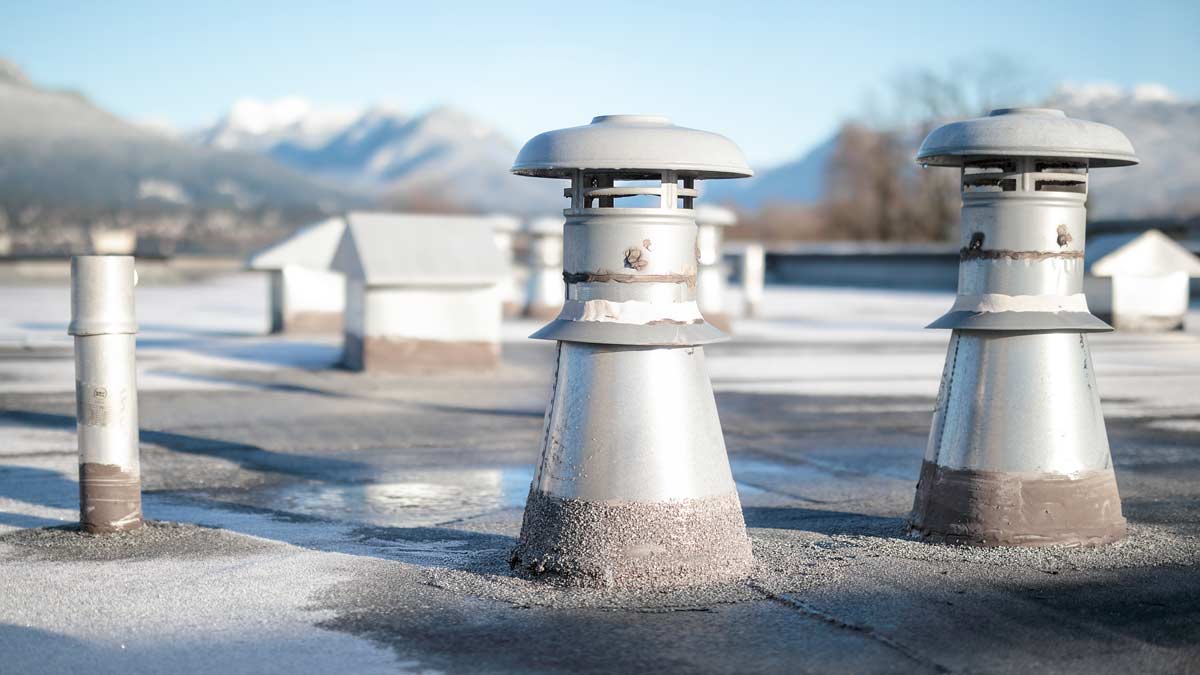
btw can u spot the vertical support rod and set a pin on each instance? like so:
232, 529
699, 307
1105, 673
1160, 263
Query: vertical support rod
669, 198
277, 296
103, 324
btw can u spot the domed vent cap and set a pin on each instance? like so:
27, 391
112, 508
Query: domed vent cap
1026, 132
630, 144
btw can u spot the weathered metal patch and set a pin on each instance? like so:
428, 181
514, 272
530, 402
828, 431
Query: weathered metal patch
110, 498
968, 253
992, 508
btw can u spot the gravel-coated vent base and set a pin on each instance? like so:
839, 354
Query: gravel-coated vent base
607, 544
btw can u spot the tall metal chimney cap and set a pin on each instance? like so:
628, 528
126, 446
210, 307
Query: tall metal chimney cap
1026, 132
638, 145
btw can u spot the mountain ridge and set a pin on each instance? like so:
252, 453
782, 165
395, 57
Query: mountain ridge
442, 156
60, 148
1165, 132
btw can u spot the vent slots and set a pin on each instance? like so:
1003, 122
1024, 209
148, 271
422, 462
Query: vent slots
633, 190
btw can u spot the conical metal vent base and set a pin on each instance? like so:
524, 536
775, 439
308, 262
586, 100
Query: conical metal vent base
634, 486
1018, 454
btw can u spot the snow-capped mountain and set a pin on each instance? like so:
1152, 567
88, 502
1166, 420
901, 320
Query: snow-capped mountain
259, 125
58, 150
1165, 132
442, 157
800, 181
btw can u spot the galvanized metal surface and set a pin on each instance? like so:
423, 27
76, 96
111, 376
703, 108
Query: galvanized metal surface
1021, 264
102, 295
1026, 132
106, 400
632, 424
1019, 403
631, 279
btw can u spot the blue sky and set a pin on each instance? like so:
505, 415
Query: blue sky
776, 77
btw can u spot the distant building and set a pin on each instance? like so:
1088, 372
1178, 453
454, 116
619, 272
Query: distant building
307, 296
422, 292
1139, 282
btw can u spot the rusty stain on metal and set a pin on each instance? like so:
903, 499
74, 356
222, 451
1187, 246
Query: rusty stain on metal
1064, 235
634, 259
997, 254
601, 276
976, 241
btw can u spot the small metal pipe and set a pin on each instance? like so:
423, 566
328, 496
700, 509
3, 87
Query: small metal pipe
103, 324
544, 290
710, 277
277, 296
754, 263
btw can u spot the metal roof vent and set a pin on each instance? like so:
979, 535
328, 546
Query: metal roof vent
544, 289
634, 486
710, 279
1018, 453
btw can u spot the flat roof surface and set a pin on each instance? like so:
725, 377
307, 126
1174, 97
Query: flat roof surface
326, 521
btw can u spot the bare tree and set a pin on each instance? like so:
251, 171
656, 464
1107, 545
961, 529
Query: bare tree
782, 222
876, 192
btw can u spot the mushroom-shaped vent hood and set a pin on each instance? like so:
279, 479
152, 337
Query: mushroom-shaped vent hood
1026, 132
633, 144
